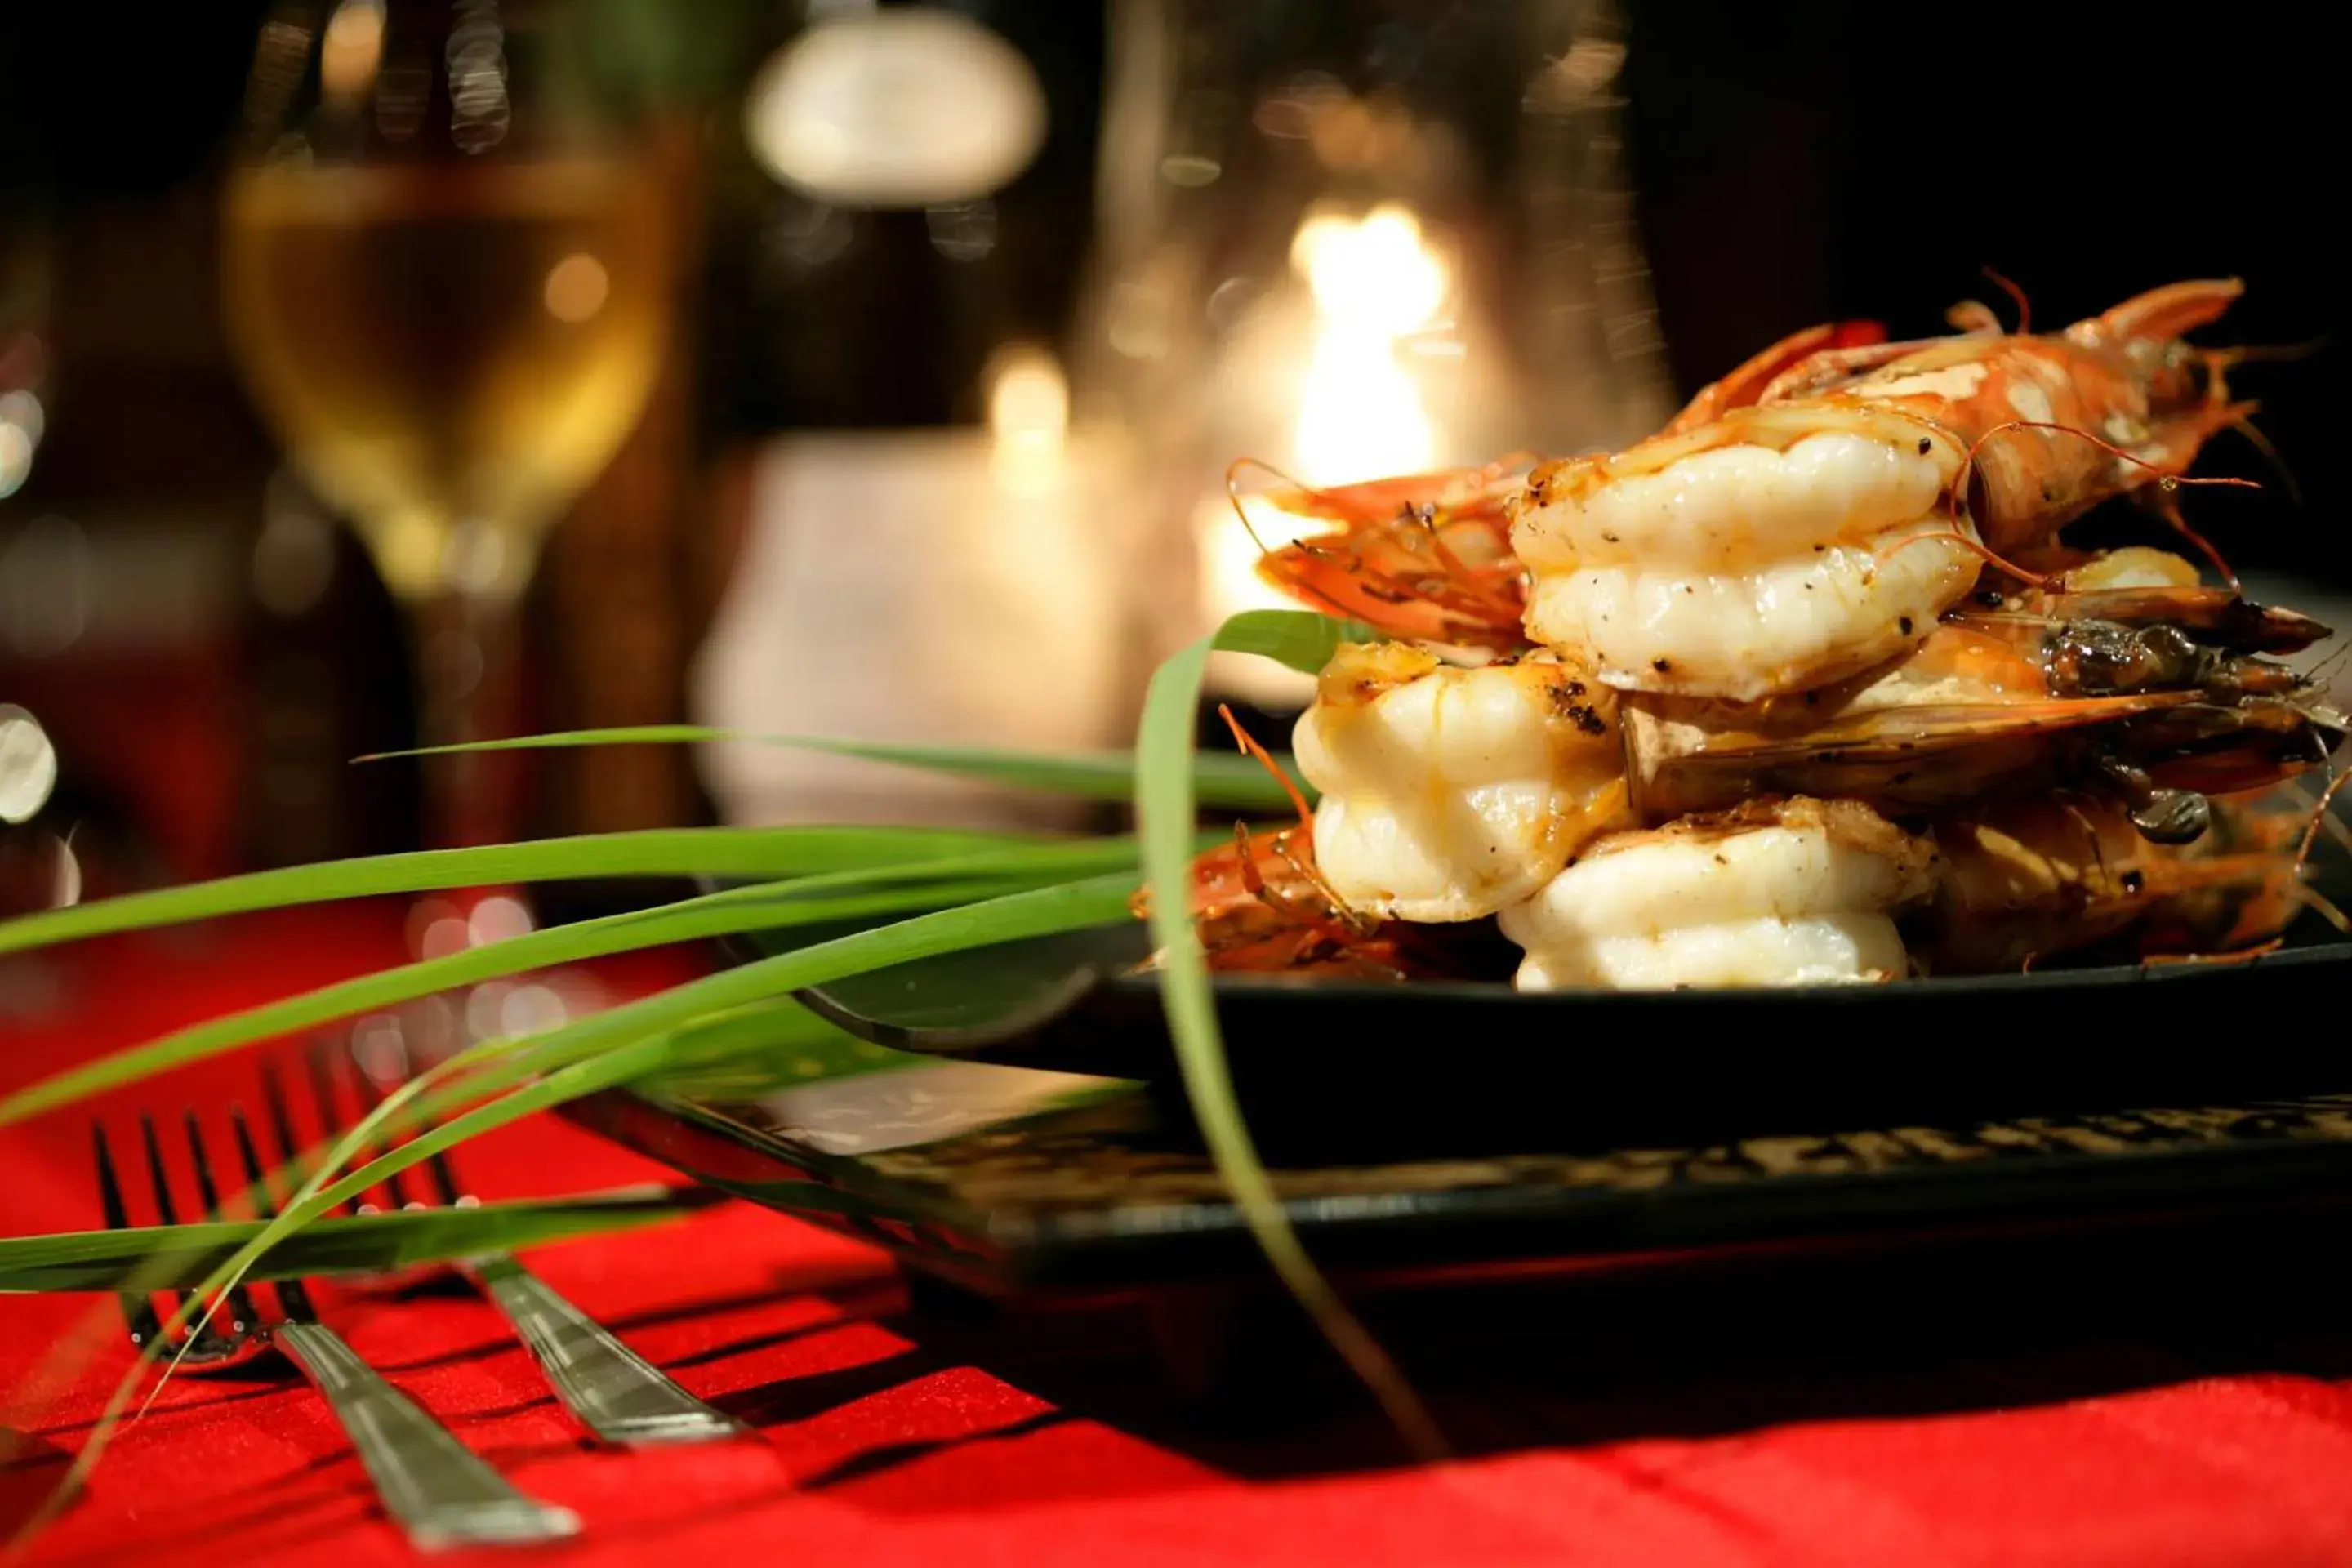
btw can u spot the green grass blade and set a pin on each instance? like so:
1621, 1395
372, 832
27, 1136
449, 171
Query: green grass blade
1228, 783
589, 1056
810, 901
640, 1038
717, 915
1299, 638
156, 1257
1165, 807
763, 852
753, 1050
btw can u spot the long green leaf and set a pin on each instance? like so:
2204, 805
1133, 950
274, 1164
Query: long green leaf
1164, 805
635, 1038
810, 901
587, 1057
175, 1256
1299, 638
1226, 782
753, 1050
762, 852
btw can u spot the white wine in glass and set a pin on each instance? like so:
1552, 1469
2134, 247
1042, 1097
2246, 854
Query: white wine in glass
450, 301
451, 355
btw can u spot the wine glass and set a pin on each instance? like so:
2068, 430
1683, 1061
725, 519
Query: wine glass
446, 281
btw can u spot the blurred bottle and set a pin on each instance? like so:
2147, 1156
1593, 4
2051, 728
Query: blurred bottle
898, 226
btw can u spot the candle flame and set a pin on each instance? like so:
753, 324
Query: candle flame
1378, 285
1376, 281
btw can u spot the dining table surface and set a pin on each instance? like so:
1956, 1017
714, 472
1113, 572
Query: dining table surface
2200, 1414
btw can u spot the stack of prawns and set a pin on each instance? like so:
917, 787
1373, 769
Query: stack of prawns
1804, 689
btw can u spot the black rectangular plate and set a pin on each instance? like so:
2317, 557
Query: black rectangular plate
1329, 1070
1020, 1183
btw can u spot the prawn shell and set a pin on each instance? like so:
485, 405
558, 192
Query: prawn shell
1424, 557
2023, 404
2029, 880
1922, 757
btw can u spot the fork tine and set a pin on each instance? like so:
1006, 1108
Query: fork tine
291, 1294
138, 1308
438, 1171
165, 1209
242, 1313
444, 1179
281, 1119
109, 1185
205, 1341
264, 1201
207, 1194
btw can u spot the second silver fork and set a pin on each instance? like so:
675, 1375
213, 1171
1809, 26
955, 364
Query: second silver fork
615, 1393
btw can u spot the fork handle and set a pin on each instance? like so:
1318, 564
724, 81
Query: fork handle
615, 1393
442, 1493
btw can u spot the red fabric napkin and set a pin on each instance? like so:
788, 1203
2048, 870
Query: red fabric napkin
886, 1439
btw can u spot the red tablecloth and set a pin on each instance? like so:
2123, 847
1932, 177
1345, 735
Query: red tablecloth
882, 1443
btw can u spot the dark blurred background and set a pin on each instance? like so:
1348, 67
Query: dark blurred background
1790, 164
1801, 162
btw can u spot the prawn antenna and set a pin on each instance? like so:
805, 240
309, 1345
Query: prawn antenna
2242, 955
2166, 505
1233, 494
1974, 546
2244, 425
1266, 552
2325, 909
2167, 482
1264, 759
2268, 354
2081, 820
2024, 306
2320, 811
2327, 666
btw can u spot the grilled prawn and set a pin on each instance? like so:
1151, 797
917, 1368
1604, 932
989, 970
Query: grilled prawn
1774, 893
1807, 517
2027, 880
1770, 551
1261, 903
1448, 792
2123, 680
1782, 544
2055, 424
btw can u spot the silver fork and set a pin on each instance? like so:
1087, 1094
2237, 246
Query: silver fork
441, 1493
615, 1393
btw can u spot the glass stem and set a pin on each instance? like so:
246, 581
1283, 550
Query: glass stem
464, 696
